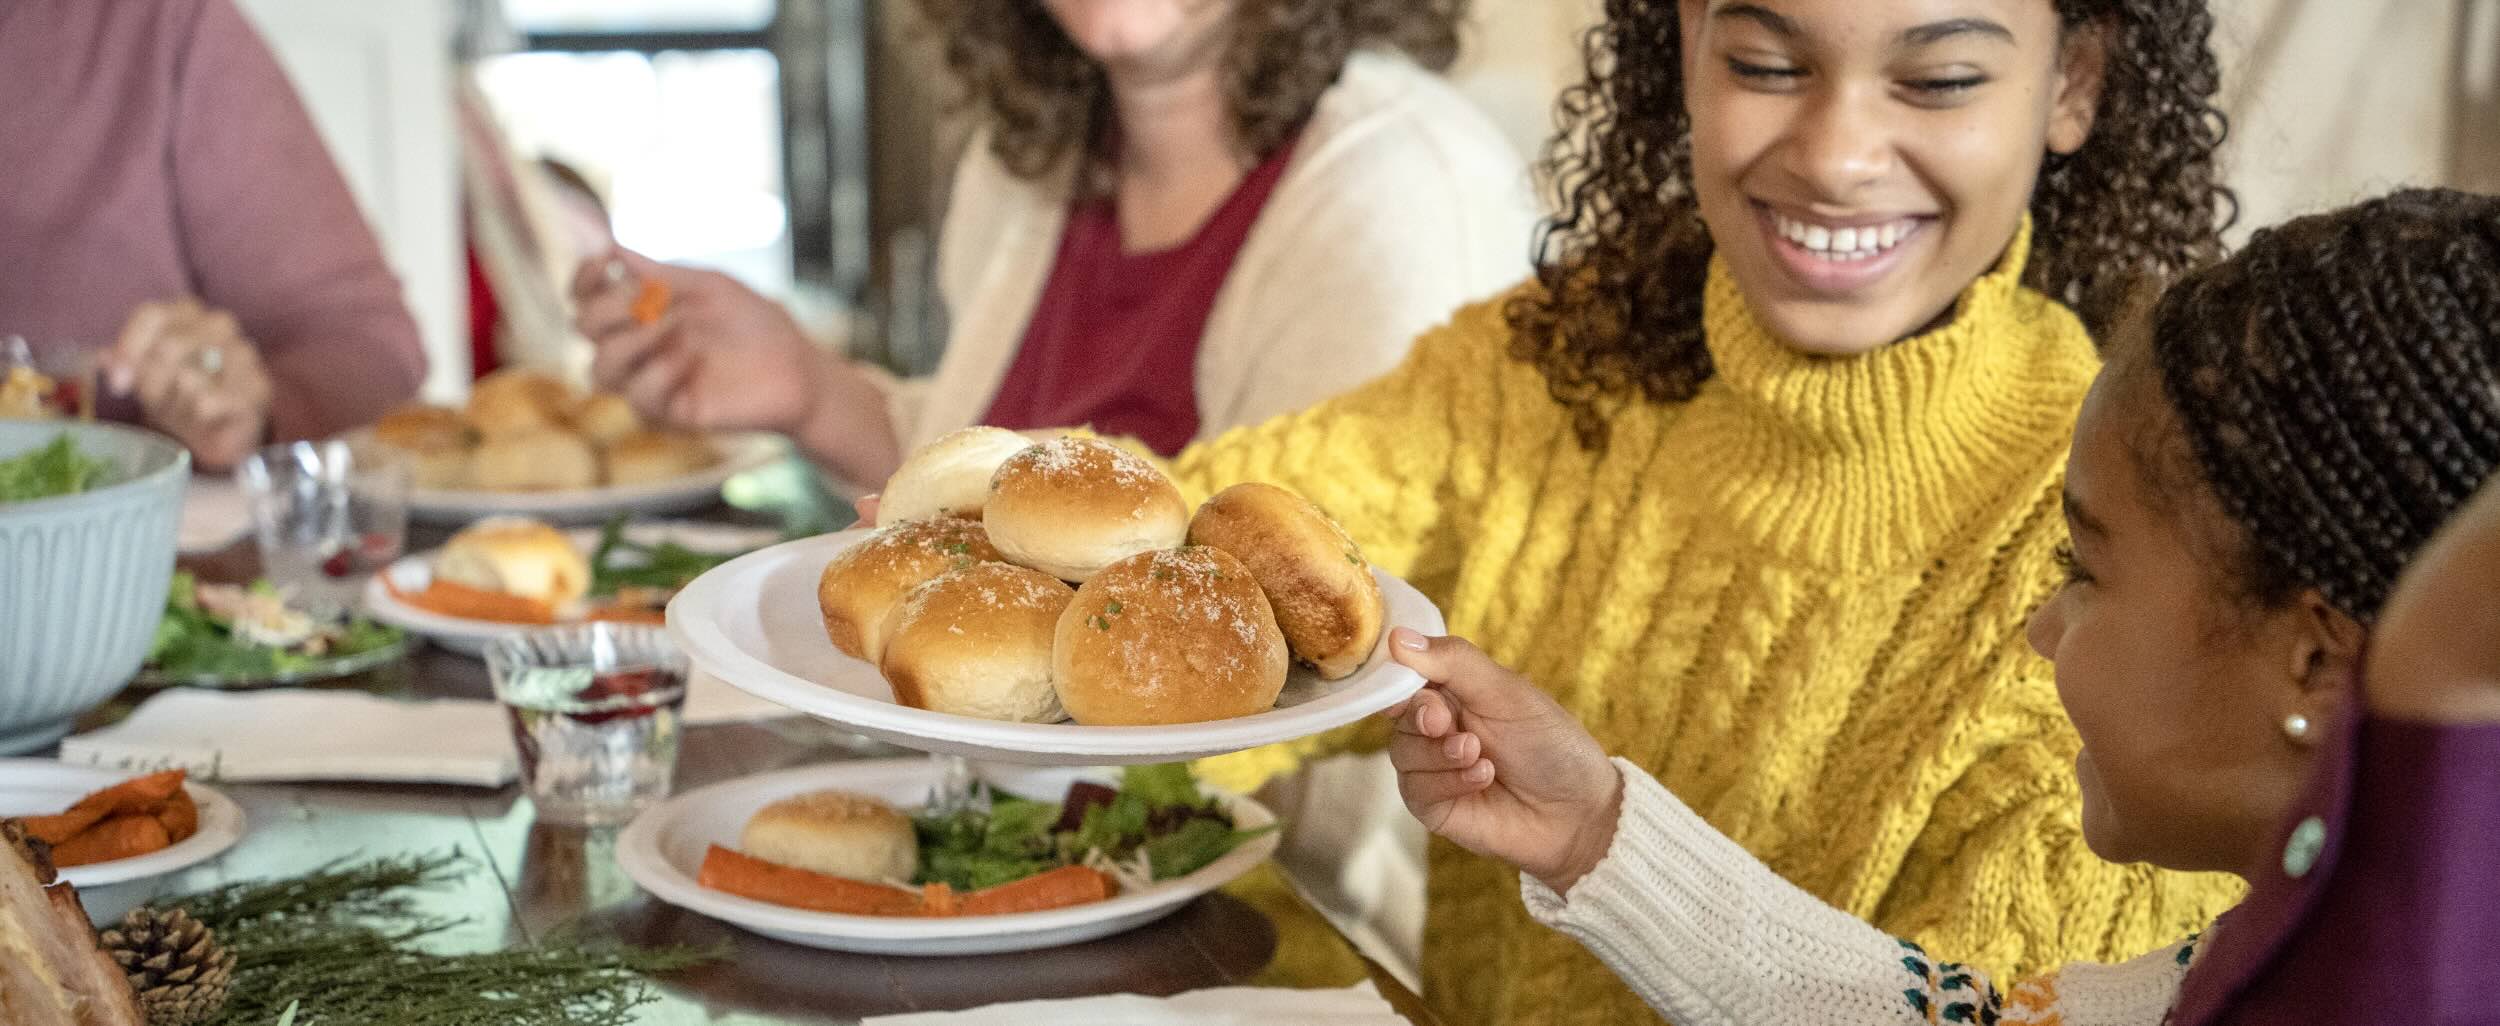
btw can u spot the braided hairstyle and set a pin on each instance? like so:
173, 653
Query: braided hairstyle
1619, 317
2338, 385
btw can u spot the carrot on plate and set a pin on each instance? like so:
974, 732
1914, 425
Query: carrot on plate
749, 877
467, 603
1058, 888
138, 794
126, 835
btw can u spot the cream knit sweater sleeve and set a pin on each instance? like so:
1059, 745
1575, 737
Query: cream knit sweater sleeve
1709, 936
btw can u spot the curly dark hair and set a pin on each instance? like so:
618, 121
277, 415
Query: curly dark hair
1045, 101
2338, 387
1619, 318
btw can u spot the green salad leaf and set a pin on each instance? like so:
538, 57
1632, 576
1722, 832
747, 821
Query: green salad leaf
193, 643
1156, 810
620, 562
58, 468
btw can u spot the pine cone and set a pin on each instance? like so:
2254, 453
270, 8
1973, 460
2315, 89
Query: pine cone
174, 963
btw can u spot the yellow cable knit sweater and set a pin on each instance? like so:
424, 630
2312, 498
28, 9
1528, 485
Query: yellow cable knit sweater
1797, 599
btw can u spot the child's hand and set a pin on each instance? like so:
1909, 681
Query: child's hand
1486, 759
2435, 656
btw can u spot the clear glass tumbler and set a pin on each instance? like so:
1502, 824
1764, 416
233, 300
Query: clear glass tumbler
328, 515
595, 713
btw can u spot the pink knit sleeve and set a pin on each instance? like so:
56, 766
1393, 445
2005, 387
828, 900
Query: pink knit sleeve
272, 235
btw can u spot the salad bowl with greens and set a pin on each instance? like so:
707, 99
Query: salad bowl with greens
89, 515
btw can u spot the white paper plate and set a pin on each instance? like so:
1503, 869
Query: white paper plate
739, 454
469, 637
41, 787
754, 622
663, 851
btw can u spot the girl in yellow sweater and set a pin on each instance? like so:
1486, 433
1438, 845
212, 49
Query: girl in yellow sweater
1761, 475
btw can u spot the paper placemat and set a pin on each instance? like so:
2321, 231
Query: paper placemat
298, 734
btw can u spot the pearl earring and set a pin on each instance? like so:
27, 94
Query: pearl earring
2296, 727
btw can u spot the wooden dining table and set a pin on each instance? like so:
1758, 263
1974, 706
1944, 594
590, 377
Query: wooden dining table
521, 882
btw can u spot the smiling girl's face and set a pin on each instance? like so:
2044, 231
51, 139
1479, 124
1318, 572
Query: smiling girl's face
1860, 162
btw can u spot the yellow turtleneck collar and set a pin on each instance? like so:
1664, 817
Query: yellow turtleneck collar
1864, 462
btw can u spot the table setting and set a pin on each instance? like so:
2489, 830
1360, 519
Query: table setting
619, 765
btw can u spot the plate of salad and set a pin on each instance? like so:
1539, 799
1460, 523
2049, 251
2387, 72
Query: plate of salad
635, 568
242, 636
1093, 859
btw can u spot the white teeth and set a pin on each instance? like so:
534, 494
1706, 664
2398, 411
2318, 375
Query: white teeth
1858, 242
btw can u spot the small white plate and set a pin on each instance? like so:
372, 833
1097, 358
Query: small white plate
415, 573
41, 787
739, 453
754, 622
663, 851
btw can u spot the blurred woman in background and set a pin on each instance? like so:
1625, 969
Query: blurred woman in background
173, 221
1175, 216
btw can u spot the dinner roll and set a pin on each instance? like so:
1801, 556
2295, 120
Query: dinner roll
1172, 636
950, 475
515, 556
435, 440
837, 833
518, 399
1325, 599
863, 583
603, 417
535, 460
1071, 506
645, 456
977, 642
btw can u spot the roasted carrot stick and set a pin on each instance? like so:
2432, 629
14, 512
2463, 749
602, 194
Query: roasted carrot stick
137, 794
748, 877
469, 603
180, 815
123, 836
1058, 888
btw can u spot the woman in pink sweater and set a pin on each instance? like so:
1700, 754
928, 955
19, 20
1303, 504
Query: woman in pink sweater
168, 212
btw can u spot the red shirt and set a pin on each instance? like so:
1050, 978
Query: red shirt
1113, 343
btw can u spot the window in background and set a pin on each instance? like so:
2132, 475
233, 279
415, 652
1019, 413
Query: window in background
637, 15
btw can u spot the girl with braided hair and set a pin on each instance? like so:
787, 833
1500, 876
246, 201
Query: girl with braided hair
2251, 476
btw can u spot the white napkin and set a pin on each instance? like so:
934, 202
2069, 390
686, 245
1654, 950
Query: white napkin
214, 513
1359, 1005
295, 734
710, 699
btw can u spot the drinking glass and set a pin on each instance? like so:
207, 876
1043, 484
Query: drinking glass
327, 515
595, 713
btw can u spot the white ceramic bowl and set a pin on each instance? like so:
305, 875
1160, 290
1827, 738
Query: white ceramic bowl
83, 577
755, 623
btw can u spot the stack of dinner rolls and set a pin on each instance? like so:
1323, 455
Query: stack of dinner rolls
529, 431
1067, 579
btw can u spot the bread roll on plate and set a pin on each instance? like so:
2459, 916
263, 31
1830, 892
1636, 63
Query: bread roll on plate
436, 441
646, 456
951, 475
1072, 506
837, 833
977, 642
1172, 636
603, 418
1326, 601
535, 460
515, 556
863, 584
518, 399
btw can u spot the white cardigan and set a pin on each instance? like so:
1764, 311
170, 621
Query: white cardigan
1710, 936
1401, 204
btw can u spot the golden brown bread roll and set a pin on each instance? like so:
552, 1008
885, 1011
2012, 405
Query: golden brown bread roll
862, 585
950, 476
518, 399
535, 460
1325, 599
1071, 506
1173, 636
437, 443
515, 556
603, 418
978, 642
645, 456
835, 832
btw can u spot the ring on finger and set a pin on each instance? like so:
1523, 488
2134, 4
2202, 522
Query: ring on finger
209, 360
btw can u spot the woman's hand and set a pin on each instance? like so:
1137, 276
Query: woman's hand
196, 377
700, 350
1491, 762
2435, 656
